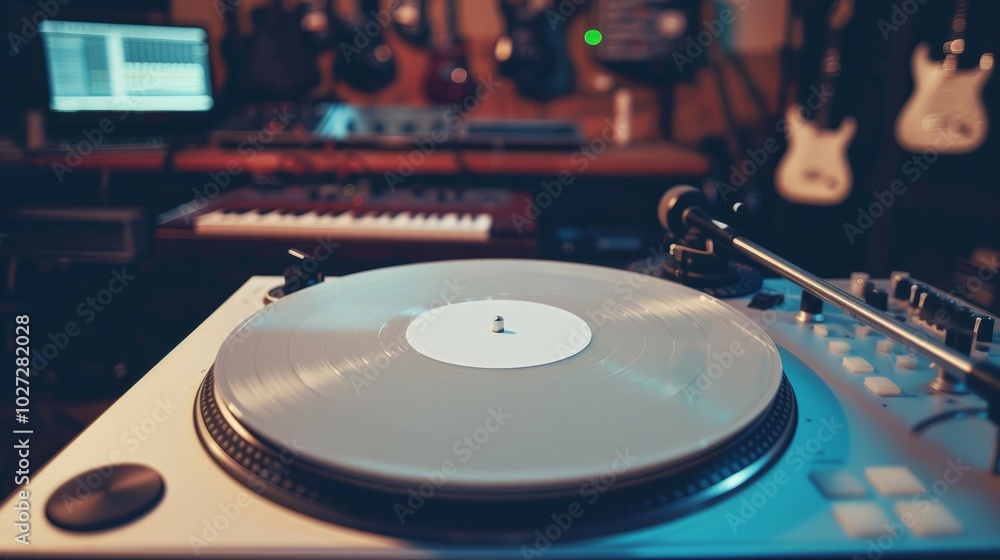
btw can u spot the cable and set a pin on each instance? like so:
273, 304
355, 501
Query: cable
945, 416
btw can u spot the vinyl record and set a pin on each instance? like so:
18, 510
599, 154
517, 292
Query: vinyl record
392, 378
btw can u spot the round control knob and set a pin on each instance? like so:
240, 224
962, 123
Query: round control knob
810, 309
960, 340
958, 332
901, 289
937, 310
894, 277
114, 496
859, 284
877, 298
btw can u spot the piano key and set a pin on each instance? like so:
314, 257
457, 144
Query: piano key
449, 221
272, 218
484, 222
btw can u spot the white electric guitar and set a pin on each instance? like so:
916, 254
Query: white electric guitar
945, 111
815, 169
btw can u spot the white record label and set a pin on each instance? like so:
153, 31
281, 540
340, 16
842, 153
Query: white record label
534, 334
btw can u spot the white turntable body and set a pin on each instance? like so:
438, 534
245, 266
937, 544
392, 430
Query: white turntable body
853, 480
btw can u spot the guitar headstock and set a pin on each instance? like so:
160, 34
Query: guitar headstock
840, 13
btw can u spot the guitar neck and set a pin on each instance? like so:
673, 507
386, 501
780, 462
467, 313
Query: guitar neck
836, 18
830, 66
450, 35
363, 9
956, 41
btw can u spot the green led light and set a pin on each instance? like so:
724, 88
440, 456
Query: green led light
593, 37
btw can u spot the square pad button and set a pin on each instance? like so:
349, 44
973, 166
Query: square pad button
894, 481
860, 519
857, 364
882, 386
928, 519
837, 484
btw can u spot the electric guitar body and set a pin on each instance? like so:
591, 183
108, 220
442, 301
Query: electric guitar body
815, 169
366, 63
532, 50
945, 112
448, 79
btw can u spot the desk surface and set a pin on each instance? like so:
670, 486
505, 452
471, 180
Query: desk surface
592, 159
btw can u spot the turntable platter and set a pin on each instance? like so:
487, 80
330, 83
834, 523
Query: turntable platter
330, 373
351, 398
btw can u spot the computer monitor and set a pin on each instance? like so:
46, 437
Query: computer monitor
105, 67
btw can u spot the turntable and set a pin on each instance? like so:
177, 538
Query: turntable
505, 408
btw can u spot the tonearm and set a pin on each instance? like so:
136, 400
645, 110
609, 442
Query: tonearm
681, 208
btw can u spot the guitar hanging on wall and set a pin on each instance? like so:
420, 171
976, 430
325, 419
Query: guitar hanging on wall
815, 169
448, 78
365, 62
532, 50
409, 17
945, 111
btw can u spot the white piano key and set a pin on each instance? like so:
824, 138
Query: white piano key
402, 220
213, 217
419, 221
229, 217
433, 221
272, 219
309, 219
247, 218
484, 222
343, 220
466, 222
366, 221
449, 221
